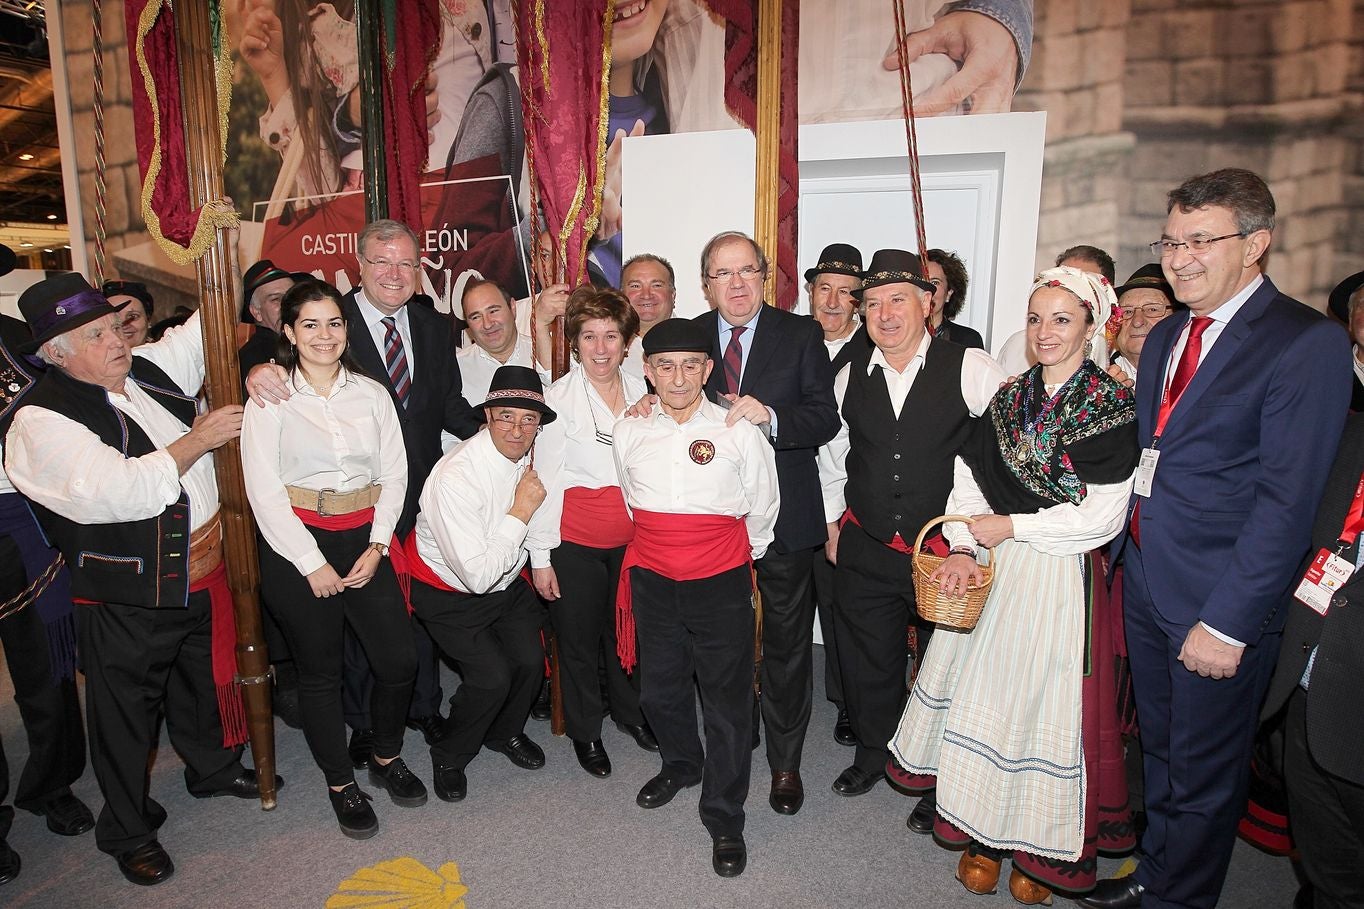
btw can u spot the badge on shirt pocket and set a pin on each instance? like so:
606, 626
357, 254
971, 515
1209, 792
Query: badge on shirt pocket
702, 452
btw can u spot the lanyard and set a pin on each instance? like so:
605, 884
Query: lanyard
1354, 518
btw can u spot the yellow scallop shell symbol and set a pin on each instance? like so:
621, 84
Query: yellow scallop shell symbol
403, 883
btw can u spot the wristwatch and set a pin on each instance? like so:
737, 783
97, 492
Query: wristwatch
380, 548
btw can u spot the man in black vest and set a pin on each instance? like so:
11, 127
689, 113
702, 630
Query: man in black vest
906, 407
111, 451
771, 369
410, 350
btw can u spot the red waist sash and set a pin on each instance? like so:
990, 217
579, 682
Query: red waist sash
682, 547
353, 519
935, 544
596, 517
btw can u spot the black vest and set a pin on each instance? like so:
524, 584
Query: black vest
900, 471
139, 563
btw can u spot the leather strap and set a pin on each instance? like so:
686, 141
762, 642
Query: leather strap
328, 502
205, 549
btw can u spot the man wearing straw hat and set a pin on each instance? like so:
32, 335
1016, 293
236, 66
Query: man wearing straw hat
904, 407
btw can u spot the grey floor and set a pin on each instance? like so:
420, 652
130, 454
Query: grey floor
548, 838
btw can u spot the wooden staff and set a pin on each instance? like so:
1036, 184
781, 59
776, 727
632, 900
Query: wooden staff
768, 136
218, 295
368, 23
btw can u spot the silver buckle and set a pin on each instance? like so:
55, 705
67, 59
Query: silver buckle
322, 497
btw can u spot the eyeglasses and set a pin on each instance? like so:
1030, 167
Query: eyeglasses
689, 368
404, 268
1151, 311
1166, 247
509, 421
724, 274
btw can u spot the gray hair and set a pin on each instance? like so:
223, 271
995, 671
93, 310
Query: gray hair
384, 230
724, 237
1242, 191
60, 345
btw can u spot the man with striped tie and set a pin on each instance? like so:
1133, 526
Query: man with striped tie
408, 349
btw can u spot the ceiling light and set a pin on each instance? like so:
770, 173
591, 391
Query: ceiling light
25, 244
47, 250
51, 217
67, 246
26, 156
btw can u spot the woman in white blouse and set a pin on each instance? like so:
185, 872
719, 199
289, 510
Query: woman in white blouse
326, 475
582, 527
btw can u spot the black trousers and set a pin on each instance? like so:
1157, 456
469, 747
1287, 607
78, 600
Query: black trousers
357, 679
875, 606
137, 660
822, 575
700, 630
50, 711
314, 626
584, 620
1327, 814
785, 582
494, 640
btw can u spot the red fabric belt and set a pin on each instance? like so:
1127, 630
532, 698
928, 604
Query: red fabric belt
415, 567
682, 547
596, 517
348, 521
935, 544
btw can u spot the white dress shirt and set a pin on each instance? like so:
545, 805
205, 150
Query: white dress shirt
980, 380
657, 472
342, 442
476, 368
567, 453
836, 345
634, 360
65, 467
464, 531
373, 320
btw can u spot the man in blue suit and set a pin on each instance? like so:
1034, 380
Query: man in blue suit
1239, 418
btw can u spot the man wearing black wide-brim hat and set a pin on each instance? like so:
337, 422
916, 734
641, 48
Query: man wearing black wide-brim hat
905, 409
466, 556
1347, 305
1144, 299
111, 452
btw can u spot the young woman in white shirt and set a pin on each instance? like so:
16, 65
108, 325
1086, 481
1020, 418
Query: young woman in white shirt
326, 475
585, 524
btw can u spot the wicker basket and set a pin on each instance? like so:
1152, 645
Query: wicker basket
961, 611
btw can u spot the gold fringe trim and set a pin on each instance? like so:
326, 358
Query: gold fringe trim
216, 213
544, 45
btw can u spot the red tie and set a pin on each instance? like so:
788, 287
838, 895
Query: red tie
734, 358
1184, 373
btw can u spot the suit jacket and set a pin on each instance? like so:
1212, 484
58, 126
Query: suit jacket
788, 370
435, 402
1335, 711
1243, 460
964, 335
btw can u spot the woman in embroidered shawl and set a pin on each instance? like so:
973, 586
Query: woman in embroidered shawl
1011, 718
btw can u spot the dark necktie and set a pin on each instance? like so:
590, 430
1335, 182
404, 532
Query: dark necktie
1184, 373
734, 359
395, 360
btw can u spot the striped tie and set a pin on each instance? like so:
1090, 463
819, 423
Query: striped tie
734, 359
395, 360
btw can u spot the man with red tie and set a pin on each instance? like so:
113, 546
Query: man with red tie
1239, 412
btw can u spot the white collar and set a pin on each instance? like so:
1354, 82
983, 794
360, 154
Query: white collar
879, 359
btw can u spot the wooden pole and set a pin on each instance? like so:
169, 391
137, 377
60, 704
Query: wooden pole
218, 296
768, 134
369, 24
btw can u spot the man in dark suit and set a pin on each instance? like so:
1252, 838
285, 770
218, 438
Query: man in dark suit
772, 370
1321, 665
410, 350
1239, 413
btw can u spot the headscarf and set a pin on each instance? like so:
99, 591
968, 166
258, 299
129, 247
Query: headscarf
1094, 293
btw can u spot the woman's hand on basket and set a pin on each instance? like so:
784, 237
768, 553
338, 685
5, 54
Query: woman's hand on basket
956, 573
991, 529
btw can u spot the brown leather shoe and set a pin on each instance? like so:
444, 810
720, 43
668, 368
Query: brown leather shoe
978, 873
788, 792
1027, 891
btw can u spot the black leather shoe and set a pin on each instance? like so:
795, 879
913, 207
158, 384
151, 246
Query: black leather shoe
592, 757
522, 752
843, 733
924, 814
729, 856
855, 781
660, 790
361, 748
642, 734
401, 783
450, 783
245, 786
431, 727
353, 813
1114, 893
542, 708
788, 792
9, 862
148, 864
66, 815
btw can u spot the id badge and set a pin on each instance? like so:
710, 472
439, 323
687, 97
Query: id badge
1146, 472
1327, 574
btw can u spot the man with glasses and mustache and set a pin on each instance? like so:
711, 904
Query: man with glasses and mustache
1143, 301
408, 349
1239, 413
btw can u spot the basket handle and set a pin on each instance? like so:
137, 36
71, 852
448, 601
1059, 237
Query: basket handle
940, 519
